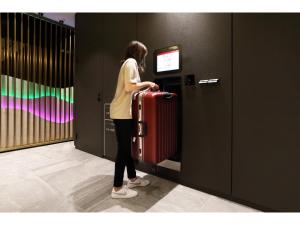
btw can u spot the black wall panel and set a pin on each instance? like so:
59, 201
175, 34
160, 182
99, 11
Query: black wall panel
266, 110
88, 83
206, 44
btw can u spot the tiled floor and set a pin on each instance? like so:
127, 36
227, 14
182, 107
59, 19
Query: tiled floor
59, 178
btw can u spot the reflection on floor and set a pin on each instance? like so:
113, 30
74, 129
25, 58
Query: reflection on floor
59, 178
173, 165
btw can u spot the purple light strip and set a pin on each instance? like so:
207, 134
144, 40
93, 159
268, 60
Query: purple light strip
43, 114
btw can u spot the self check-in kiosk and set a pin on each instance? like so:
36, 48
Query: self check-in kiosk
167, 60
167, 65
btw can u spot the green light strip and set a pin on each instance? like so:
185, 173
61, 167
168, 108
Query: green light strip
44, 91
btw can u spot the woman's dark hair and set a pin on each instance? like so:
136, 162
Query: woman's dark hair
138, 51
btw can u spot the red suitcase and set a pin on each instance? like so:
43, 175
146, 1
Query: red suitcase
155, 130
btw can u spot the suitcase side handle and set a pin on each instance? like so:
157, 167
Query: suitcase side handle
142, 129
168, 96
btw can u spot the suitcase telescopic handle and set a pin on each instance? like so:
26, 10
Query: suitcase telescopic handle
149, 90
146, 90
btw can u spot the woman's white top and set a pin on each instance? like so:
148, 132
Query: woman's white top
120, 107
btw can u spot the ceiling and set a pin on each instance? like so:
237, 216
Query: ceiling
68, 18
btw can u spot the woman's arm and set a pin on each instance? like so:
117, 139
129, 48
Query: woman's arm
131, 78
129, 87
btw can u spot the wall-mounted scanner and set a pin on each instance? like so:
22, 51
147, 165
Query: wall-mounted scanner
189, 80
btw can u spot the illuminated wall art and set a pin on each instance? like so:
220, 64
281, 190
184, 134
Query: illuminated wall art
36, 81
39, 98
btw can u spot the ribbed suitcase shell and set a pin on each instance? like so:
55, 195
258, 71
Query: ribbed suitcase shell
156, 112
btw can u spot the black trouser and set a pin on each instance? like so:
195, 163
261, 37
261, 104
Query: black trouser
124, 131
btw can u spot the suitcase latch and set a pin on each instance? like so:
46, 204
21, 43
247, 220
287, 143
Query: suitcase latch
142, 129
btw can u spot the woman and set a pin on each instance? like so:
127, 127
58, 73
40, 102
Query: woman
120, 111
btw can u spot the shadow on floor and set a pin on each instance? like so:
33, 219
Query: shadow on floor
93, 195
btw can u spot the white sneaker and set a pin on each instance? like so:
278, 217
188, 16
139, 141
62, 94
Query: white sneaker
124, 192
139, 182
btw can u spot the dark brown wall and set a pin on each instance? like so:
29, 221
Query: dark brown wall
88, 83
267, 110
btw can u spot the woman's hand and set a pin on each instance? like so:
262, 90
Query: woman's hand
153, 86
